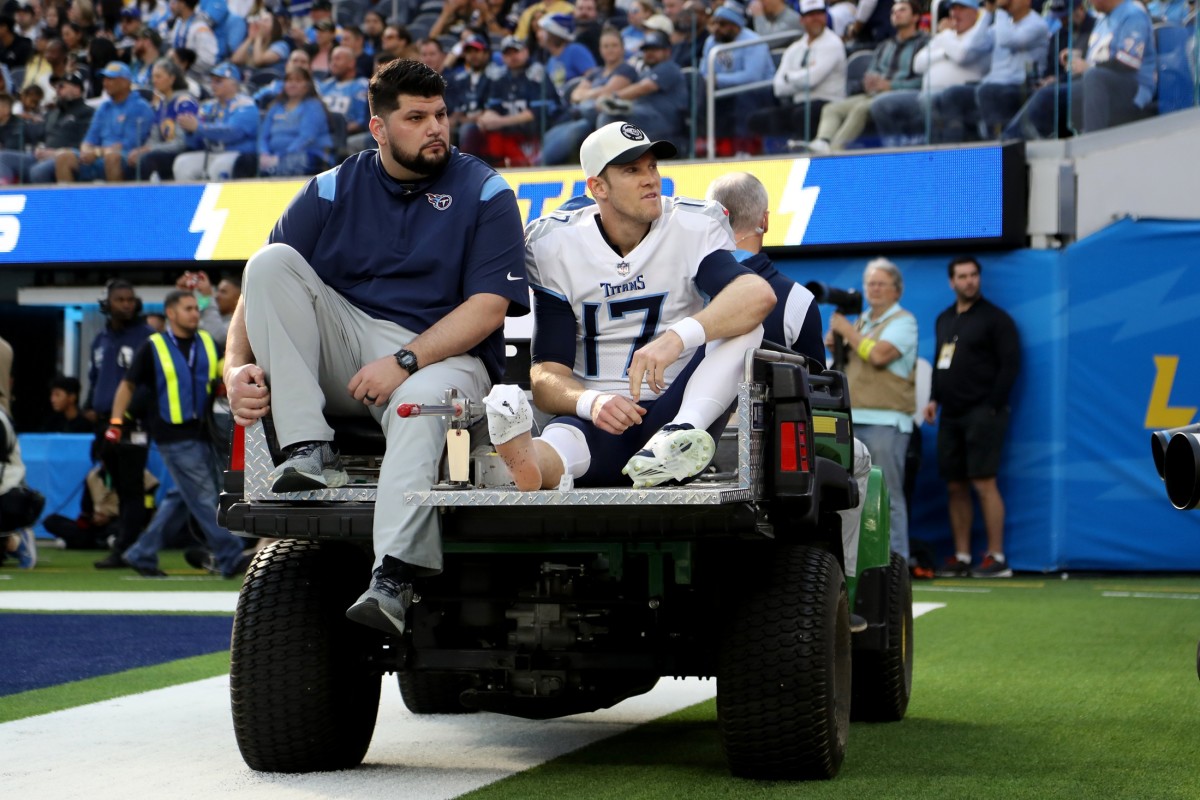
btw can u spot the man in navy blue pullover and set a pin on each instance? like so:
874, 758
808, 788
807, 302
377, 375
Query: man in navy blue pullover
386, 281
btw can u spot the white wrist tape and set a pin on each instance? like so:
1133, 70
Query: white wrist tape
690, 331
583, 406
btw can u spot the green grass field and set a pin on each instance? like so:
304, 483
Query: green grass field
1030, 688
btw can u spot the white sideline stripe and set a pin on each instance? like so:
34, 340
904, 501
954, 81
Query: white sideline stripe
119, 601
178, 742
1154, 595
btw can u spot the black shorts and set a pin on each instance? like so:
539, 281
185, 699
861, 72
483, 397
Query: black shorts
969, 446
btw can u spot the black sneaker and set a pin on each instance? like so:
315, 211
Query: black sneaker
309, 465
992, 567
199, 557
954, 567
111, 561
385, 604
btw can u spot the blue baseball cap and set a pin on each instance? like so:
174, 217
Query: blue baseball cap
968, 3
560, 25
731, 12
117, 69
226, 70
131, 12
512, 43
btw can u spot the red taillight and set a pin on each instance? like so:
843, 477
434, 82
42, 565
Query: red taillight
793, 447
237, 452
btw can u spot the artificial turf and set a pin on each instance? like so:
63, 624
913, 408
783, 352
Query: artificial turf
1028, 688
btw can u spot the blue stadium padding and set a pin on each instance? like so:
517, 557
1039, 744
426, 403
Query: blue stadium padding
57, 463
1077, 478
43, 650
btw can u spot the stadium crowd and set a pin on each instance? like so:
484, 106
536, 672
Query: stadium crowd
219, 89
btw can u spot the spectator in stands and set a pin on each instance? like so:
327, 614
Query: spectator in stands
775, 16
147, 49
657, 100
167, 138
45, 67
397, 43
76, 40
345, 93
737, 68
463, 86
891, 70
881, 360
129, 25
180, 366
224, 135
872, 23
454, 18
120, 125
531, 13
125, 460
13, 136
321, 52
811, 74
15, 50
1015, 40
32, 102
561, 143
192, 30
321, 11
901, 117
294, 136
65, 416
568, 59
352, 38
67, 122
497, 18
373, 22
185, 59
297, 60
1071, 24
588, 27
516, 107
52, 18
632, 34
27, 23
1113, 84
216, 306
432, 55
689, 20
266, 47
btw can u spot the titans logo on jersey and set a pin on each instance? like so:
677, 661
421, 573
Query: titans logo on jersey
622, 303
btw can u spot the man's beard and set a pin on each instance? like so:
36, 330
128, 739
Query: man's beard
419, 163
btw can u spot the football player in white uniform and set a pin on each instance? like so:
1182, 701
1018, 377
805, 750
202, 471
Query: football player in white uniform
642, 320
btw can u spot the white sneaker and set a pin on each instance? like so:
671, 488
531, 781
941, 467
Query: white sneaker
508, 413
677, 452
818, 147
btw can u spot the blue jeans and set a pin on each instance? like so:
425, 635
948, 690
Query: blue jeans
899, 117
889, 449
193, 466
561, 143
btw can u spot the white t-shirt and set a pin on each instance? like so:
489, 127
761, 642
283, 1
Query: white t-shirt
621, 304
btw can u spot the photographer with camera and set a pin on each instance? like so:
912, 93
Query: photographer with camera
880, 357
123, 447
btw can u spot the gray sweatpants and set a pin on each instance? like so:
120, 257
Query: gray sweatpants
311, 341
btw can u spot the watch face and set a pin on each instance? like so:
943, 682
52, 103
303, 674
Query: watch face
407, 360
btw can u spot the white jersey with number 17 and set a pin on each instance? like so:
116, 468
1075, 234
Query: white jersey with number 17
622, 303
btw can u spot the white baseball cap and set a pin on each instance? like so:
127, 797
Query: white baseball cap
619, 143
809, 6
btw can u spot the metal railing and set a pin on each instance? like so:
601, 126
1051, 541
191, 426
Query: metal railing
712, 93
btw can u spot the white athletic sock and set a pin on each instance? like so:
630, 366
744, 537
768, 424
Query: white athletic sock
714, 384
963, 557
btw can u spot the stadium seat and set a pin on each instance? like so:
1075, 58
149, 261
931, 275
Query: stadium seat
856, 68
1175, 78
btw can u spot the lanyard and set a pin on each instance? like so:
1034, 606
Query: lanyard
191, 356
181, 31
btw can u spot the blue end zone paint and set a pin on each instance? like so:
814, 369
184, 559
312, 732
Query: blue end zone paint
43, 650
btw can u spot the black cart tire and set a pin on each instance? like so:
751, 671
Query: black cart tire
303, 689
883, 678
434, 692
783, 675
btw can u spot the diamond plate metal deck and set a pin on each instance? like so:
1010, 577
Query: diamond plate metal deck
748, 486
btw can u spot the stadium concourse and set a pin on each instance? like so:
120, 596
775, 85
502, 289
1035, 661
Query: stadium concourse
155, 742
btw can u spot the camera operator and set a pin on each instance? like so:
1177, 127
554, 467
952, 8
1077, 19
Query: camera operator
880, 364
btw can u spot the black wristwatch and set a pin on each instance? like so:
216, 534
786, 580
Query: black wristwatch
407, 360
